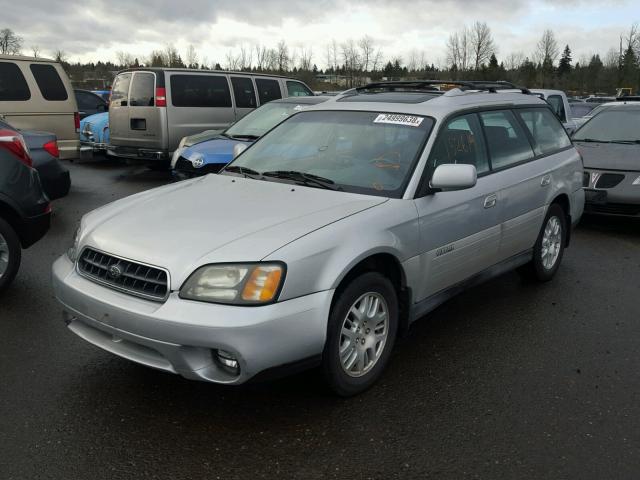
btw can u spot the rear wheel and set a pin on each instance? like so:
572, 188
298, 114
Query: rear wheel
361, 333
10, 254
549, 248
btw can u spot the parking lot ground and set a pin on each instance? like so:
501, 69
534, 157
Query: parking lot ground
508, 380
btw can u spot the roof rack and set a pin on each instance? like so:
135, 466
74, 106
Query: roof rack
431, 86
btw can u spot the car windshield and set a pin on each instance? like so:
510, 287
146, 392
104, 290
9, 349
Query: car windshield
362, 152
260, 121
612, 125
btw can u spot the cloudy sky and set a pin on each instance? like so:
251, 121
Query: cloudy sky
96, 29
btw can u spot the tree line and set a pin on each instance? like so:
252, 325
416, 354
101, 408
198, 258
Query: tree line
471, 53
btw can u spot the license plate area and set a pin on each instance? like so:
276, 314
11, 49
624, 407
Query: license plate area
598, 197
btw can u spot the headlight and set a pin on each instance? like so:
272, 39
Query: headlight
237, 284
636, 181
72, 253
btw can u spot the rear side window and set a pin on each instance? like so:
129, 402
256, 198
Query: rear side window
200, 91
49, 82
142, 90
243, 92
508, 143
297, 89
120, 90
548, 133
460, 142
557, 105
13, 86
268, 90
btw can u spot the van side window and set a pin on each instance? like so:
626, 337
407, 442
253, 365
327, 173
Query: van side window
557, 105
460, 141
508, 143
268, 90
243, 92
120, 90
142, 90
13, 86
49, 82
547, 132
200, 91
297, 89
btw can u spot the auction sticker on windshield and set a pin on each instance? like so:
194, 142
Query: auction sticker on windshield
396, 119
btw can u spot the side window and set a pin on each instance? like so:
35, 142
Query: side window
120, 90
13, 85
86, 101
49, 82
142, 90
297, 89
508, 143
268, 90
547, 132
557, 105
460, 141
200, 91
243, 92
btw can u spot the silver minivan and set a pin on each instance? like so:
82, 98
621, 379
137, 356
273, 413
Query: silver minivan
328, 236
152, 109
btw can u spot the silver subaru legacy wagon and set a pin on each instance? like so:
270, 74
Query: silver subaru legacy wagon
328, 237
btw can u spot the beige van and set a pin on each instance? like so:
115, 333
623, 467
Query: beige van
152, 109
36, 94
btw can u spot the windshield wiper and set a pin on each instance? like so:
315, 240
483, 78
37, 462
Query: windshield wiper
590, 140
247, 172
244, 137
305, 178
626, 142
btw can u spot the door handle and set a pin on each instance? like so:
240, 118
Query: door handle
490, 201
546, 180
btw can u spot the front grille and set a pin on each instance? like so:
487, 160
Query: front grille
614, 209
609, 180
124, 275
186, 166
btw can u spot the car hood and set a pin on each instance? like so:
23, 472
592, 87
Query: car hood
212, 219
218, 150
610, 156
201, 137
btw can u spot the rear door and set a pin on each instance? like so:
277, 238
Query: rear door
146, 125
244, 94
197, 102
119, 110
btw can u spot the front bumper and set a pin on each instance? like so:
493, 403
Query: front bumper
622, 199
181, 336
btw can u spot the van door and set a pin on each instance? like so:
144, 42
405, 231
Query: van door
268, 89
119, 110
197, 102
146, 125
244, 94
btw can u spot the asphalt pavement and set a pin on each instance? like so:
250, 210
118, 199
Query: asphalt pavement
508, 380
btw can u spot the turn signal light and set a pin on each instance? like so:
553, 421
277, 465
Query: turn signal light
262, 284
52, 148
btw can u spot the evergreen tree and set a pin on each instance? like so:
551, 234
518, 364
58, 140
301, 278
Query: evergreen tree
564, 67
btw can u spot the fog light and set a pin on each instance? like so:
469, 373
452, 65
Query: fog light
228, 361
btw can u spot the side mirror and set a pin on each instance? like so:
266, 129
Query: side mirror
449, 176
238, 148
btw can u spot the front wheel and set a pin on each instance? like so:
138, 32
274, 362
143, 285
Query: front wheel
549, 248
10, 254
361, 333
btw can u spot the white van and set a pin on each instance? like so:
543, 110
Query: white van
36, 94
152, 109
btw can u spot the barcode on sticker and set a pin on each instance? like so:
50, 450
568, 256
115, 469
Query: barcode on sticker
395, 119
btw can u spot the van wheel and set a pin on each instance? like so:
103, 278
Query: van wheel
10, 254
360, 334
549, 248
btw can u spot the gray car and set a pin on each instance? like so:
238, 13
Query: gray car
610, 146
328, 237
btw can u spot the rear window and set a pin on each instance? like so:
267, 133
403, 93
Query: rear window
200, 91
297, 89
547, 132
507, 141
49, 82
13, 86
142, 90
120, 90
268, 90
243, 92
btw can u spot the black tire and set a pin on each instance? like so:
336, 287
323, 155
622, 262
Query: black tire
14, 254
335, 375
535, 270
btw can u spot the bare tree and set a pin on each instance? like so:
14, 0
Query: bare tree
245, 58
459, 49
232, 61
631, 40
10, 43
367, 52
261, 56
306, 56
191, 57
352, 62
124, 59
377, 60
35, 51
547, 49
482, 44
611, 59
60, 56
282, 56
514, 60
172, 57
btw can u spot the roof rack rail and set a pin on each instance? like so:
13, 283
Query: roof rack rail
431, 86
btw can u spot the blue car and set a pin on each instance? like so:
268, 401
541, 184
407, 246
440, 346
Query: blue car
209, 151
94, 132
